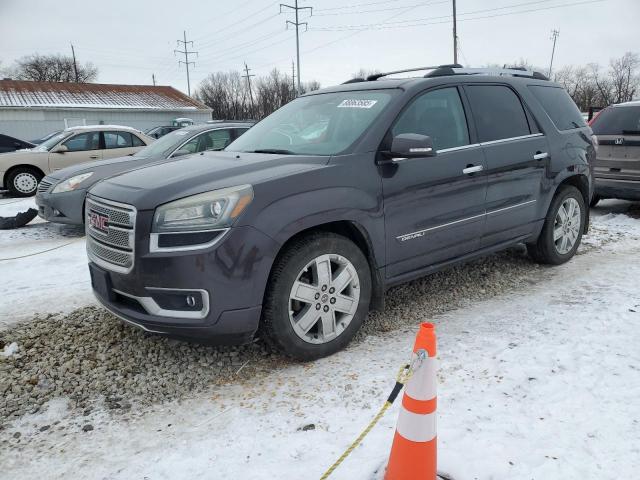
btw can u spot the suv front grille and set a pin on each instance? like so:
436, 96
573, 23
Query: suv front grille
113, 246
44, 185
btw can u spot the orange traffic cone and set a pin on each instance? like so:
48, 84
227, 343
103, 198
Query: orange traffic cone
414, 450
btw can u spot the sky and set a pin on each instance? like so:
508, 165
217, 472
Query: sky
129, 41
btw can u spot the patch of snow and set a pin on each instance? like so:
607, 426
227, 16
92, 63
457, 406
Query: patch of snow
10, 349
540, 383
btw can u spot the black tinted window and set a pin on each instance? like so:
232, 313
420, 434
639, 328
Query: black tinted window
618, 121
498, 112
6, 141
562, 111
438, 114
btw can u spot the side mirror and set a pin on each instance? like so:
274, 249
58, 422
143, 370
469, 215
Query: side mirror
410, 145
60, 149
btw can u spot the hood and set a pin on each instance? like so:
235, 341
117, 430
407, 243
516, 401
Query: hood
109, 167
150, 186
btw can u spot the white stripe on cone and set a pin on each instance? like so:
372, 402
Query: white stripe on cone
416, 427
423, 383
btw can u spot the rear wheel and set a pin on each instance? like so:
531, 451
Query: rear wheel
23, 181
318, 296
563, 227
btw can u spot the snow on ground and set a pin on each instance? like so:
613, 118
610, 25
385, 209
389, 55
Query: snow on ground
540, 383
55, 279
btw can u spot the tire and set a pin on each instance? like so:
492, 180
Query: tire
594, 201
23, 181
301, 265
554, 251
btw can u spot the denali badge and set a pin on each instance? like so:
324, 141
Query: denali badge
99, 222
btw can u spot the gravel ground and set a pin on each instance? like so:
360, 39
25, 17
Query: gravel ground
95, 360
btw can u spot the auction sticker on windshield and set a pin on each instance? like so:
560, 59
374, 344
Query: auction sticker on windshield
355, 103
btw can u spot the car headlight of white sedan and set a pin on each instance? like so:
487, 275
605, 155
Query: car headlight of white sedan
72, 183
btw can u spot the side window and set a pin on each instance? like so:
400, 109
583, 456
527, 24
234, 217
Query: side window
117, 139
191, 146
137, 142
561, 109
239, 131
438, 114
215, 140
83, 142
498, 112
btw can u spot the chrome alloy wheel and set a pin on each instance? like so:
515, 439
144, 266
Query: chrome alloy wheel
324, 298
566, 227
25, 182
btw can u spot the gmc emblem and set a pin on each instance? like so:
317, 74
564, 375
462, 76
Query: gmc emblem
619, 141
99, 222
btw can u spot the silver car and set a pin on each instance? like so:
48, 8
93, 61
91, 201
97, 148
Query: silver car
61, 195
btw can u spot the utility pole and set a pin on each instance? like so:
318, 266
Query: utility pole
186, 62
75, 65
153, 77
554, 37
293, 75
455, 34
248, 77
297, 24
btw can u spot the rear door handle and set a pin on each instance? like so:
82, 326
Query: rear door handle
540, 156
472, 169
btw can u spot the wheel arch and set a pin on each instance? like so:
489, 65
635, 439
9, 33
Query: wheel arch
21, 165
360, 237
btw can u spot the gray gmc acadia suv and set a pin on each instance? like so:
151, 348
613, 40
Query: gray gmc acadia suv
296, 229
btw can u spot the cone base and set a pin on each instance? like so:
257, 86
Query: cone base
412, 460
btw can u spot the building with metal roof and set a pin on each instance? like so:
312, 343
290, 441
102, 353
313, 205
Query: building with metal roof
29, 110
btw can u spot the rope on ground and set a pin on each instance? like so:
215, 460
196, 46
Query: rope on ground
403, 377
40, 252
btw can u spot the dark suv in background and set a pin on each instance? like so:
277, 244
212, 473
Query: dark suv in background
295, 231
617, 167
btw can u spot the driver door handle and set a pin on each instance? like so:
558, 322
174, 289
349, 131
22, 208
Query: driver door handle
472, 169
93, 156
540, 155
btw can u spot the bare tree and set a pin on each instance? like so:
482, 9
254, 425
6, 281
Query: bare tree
624, 76
53, 68
227, 94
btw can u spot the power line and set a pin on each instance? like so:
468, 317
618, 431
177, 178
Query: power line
186, 62
388, 25
554, 37
423, 4
297, 24
358, 5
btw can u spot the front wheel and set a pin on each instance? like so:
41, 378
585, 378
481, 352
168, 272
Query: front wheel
23, 181
563, 227
318, 296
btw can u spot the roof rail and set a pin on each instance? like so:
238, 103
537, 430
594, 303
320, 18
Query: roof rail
513, 72
376, 76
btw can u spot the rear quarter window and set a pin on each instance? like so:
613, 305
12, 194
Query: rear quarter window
561, 109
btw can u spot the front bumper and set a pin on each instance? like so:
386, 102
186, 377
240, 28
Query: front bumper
614, 188
67, 207
227, 282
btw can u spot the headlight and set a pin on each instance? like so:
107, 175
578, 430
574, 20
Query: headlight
205, 211
71, 183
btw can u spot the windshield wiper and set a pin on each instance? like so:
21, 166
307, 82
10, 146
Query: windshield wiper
273, 150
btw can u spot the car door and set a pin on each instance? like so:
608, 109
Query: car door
516, 155
434, 206
81, 147
118, 144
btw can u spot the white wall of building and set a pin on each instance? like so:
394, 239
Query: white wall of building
32, 123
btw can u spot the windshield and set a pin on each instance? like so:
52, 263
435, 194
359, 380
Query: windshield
618, 121
324, 124
53, 141
165, 144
